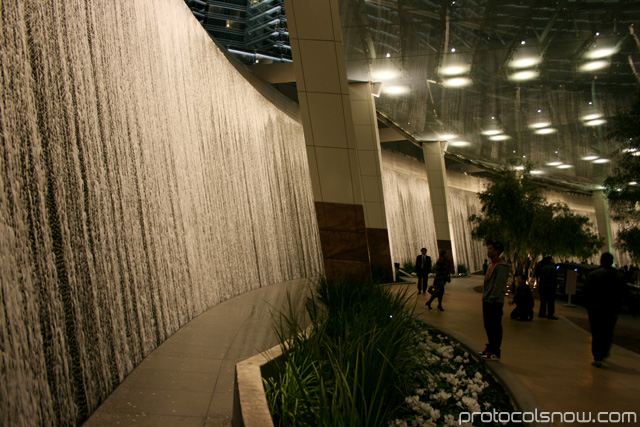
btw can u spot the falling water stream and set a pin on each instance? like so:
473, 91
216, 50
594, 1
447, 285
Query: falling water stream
143, 181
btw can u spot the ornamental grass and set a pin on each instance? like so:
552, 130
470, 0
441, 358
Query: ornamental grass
361, 358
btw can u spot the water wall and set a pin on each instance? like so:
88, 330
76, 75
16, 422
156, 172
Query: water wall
464, 203
142, 181
408, 207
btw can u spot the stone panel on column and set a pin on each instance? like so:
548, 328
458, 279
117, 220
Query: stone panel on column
343, 238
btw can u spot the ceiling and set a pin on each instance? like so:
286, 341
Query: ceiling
522, 81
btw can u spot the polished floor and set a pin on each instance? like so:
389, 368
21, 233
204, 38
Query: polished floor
188, 380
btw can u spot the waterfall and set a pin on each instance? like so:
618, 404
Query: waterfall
144, 180
408, 207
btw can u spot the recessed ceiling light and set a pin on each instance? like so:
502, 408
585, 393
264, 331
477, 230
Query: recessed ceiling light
590, 158
554, 163
457, 82
454, 70
596, 122
601, 53
499, 137
524, 75
546, 131
490, 132
601, 161
564, 166
396, 90
459, 143
525, 62
539, 125
593, 66
385, 75
591, 116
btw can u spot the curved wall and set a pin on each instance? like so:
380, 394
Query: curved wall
143, 180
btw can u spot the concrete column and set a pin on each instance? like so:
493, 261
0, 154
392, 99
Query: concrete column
325, 109
604, 222
365, 123
436, 174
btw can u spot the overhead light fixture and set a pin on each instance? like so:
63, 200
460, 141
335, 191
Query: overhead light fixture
447, 136
590, 158
593, 66
564, 166
396, 90
591, 116
524, 75
601, 53
633, 183
554, 163
454, 70
459, 143
601, 161
525, 62
501, 137
536, 172
546, 131
518, 168
491, 132
457, 82
539, 125
629, 150
385, 75
596, 122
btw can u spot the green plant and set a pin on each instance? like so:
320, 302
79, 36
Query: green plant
350, 367
409, 266
515, 212
621, 185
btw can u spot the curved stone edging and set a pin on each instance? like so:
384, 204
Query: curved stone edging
250, 406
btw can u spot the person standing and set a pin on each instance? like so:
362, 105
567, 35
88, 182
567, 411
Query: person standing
604, 293
441, 279
423, 268
495, 282
547, 276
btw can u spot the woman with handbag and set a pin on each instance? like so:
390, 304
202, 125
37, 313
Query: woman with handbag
441, 279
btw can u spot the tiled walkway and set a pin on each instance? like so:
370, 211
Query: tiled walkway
551, 358
188, 380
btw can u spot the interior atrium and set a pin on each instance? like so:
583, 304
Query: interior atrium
525, 83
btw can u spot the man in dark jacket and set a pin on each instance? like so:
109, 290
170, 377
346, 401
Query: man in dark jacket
604, 292
423, 268
547, 276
